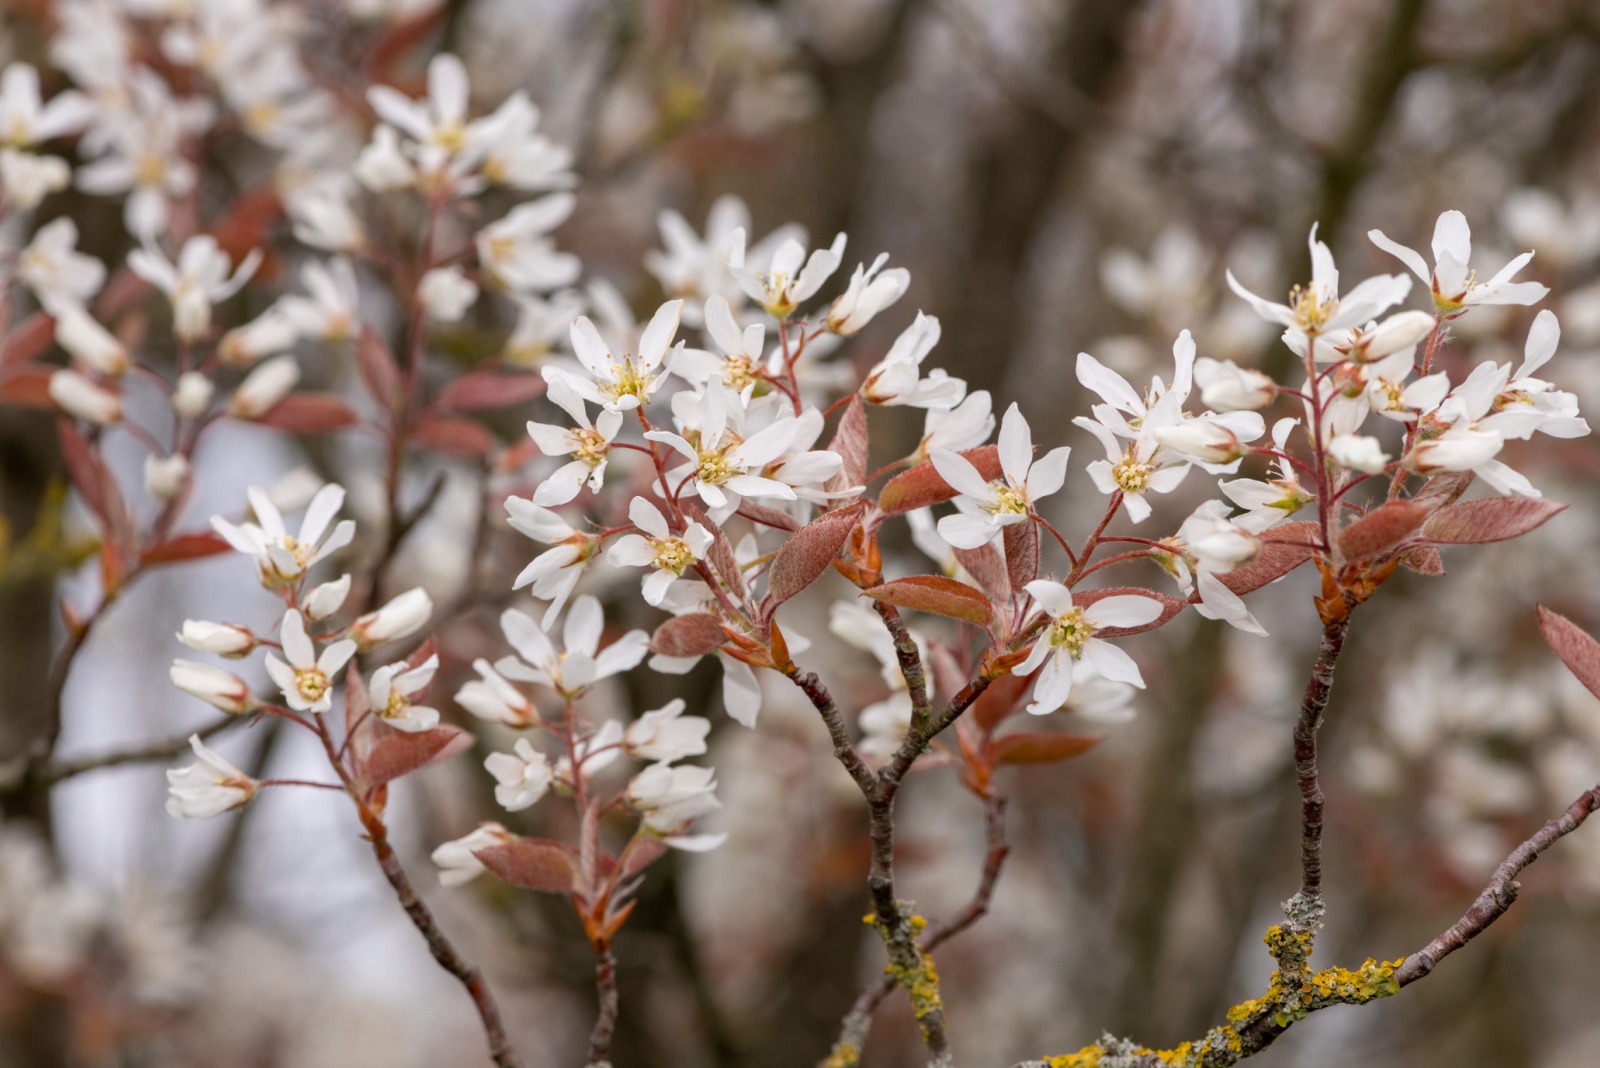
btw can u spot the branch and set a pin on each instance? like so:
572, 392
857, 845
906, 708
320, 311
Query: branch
605, 980
846, 753
910, 658
1305, 908
59, 770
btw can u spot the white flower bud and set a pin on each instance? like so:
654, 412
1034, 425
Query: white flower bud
446, 294
326, 599
212, 685
222, 639
382, 167
192, 396
404, 615
1359, 452
26, 179
456, 859
1202, 440
209, 788
1399, 331
264, 387
79, 396
269, 333
1227, 387
164, 478
1461, 451
90, 343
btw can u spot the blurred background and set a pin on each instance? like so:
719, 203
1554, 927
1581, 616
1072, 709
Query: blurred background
1059, 176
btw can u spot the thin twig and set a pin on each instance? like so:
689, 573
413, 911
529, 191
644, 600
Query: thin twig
1318, 688
605, 980
59, 770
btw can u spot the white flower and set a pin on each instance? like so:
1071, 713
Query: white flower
871, 291
382, 165
281, 557
1402, 330
326, 599
666, 734
1465, 434
671, 797
896, 380
1359, 452
192, 395
522, 779
582, 664
323, 218
515, 154
209, 788
739, 367
1453, 285
1204, 440
1317, 309
401, 617
26, 179
456, 859
659, 548
165, 476
553, 573
217, 688
724, 465
1227, 387
306, 679
446, 293
592, 754
621, 385
985, 506
1268, 503
267, 384
785, 284
223, 639
1070, 635
491, 697
1213, 542
543, 324
517, 252
55, 270
198, 280
1529, 404
268, 333
957, 429
698, 268
440, 120
393, 687
588, 444
25, 119
329, 310
80, 397
91, 344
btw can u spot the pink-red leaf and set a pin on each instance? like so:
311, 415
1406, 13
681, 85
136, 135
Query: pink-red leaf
458, 437
1382, 530
807, 554
480, 390
401, 753
936, 594
721, 554
308, 413
533, 864
1283, 549
988, 565
1443, 489
770, 517
1042, 747
1491, 519
1022, 553
922, 485
1170, 607
691, 634
1423, 559
1003, 697
1576, 649
29, 340
180, 547
377, 368
29, 388
850, 444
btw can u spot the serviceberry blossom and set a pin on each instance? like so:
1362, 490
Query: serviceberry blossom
446, 293
1227, 387
666, 734
582, 663
785, 284
1210, 542
327, 598
457, 859
270, 382
399, 618
200, 279
588, 444
306, 678
669, 554
739, 366
329, 309
1268, 502
219, 689
1069, 635
871, 290
670, 798
1465, 433
985, 507
552, 574
697, 268
25, 119
590, 754
59, 275
517, 252
208, 788
221, 639
521, 777
1553, 411
82, 397
897, 379
724, 465
492, 698
282, 558
1453, 285
394, 685
621, 385
957, 429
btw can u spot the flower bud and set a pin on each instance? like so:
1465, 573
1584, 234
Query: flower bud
446, 293
1358, 452
223, 639
215, 687
327, 598
1227, 387
1202, 440
404, 615
79, 396
264, 387
209, 788
458, 859
269, 333
1461, 451
90, 343
869, 293
1397, 332
26, 179
165, 478
192, 396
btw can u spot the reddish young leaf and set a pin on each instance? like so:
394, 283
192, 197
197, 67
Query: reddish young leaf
850, 443
1170, 607
1042, 747
771, 517
30, 340
29, 388
401, 753
533, 864
1423, 559
1490, 519
645, 852
379, 373
85, 471
721, 554
988, 565
481, 390
691, 634
806, 555
1283, 549
1002, 698
938, 595
1022, 553
1576, 649
1382, 530
459, 437
308, 413
357, 704
922, 485
180, 547
1444, 489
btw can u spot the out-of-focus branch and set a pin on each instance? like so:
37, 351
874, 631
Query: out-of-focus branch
166, 749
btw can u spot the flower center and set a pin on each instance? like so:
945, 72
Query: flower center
738, 372
1312, 308
673, 554
715, 467
626, 381
1132, 475
591, 446
1511, 398
1008, 501
311, 683
1071, 631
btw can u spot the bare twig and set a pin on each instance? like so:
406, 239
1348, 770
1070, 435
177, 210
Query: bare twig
605, 979
167, 749
843, 750
1306, 907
